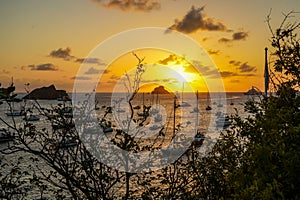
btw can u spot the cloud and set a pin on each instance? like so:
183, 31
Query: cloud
114, 77
247, 68
171, 59
42, 67
194, 67
213, 52
241, 35
226, 74
195, 20
84, 78
66, 55
207, 71
90, 61
62, 53
5, 72
225, 40
92, 70
243, 67
234, 81
130, 5
235, 63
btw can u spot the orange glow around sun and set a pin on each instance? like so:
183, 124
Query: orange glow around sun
161, 68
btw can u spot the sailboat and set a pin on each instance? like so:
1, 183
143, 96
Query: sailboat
196, 109
231, 101
5, 135
142, 114
183, 104
15, 113
12, 112
154, 111
223, 121
31, 117
208, 107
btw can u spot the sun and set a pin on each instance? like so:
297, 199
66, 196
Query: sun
161, 68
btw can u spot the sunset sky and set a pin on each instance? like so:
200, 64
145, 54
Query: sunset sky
45, 42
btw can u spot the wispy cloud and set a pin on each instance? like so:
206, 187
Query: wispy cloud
93, 70
195, 20
171, 59
213, 52
65, 54
83, 78
241, 35
5, 71
226, 74
206, 71
243, 67
130, 5
42, 67
62, 53
90, 61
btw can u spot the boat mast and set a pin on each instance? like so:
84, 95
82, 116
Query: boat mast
174, 115
266, 73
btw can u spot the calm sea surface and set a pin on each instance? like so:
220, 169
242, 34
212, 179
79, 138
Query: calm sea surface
232, 104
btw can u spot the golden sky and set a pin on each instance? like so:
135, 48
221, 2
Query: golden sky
45, 42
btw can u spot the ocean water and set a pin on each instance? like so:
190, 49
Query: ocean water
233, 103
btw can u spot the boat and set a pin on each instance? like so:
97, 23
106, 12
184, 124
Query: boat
15, 113
17, 100
64, 142
208, 108
158, 118
5, 93
5, 135
223, 121
183, 104
64, 98
137, 107
67, 124
31, 117
155, 127
12, 112
67, 111
106, 127
153, 111
196, 109
120, 110
253, 91
108, 130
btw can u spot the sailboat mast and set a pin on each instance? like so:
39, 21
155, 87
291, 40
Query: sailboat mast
266, 73
174, 114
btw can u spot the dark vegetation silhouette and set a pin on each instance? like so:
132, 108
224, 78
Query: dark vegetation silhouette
256, 158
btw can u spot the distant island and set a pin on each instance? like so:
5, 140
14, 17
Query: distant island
47, 93
253, 91
160, 90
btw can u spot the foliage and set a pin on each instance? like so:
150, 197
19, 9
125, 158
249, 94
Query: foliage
256, 158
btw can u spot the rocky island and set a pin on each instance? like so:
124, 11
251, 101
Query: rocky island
47, 93
160, 90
